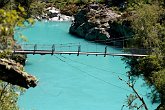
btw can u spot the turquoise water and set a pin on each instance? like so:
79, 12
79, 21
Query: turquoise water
71, 82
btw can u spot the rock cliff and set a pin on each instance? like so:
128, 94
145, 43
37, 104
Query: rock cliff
92, 22
13, 73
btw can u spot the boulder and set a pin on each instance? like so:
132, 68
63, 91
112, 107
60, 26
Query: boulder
13, 73
92, 22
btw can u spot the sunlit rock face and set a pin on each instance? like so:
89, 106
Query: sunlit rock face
92, 22
13, 73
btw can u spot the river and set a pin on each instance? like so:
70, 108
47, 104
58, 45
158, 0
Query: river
71, 82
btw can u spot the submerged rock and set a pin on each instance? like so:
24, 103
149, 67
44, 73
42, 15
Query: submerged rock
92, 22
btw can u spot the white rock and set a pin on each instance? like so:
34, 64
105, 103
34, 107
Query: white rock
59, 16
53, 19
54, 11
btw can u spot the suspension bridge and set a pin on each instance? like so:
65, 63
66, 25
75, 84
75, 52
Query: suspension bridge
72, 48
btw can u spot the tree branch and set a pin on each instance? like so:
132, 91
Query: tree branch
138, 96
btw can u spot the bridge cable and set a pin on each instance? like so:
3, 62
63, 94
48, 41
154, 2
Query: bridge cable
123, 74
107, 82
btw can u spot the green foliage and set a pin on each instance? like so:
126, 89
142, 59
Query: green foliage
9, 95
75, 1
146, 27
25, 3
8, 20
37, 8
63, 5
159, 81
147, 22
130, 101
120, 29
11, 15
5, 54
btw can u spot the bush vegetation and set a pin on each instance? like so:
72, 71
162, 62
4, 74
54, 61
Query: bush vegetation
147, 20
12, 14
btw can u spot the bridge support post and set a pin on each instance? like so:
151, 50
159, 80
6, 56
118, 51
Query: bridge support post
35, 48
14, 49
105, 53
79, 49
53, 49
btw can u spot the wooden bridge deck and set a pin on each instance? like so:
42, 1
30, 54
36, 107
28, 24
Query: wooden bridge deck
62, 49
43, 52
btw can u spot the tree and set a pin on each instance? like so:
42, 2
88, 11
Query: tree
148, 26
11, 15
9, 96
132, 97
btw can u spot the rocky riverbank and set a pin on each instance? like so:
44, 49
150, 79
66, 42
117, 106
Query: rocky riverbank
54, 14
